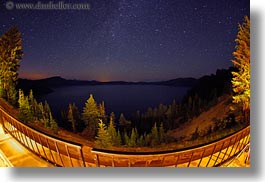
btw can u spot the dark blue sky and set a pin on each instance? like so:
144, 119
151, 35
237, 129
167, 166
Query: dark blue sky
140, 40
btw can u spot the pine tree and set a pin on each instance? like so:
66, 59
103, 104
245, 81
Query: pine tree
70, 117
53, 124
133, 138
112, 131
118, 140
123, 122
25, 111
241, 79
102, 112
103, 139
154, 136
126, 138
91, 115
161, 133
10, 56
34, 106
140, 142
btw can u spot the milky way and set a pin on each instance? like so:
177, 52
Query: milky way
142, 40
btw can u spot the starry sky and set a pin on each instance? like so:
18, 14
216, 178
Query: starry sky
130, 40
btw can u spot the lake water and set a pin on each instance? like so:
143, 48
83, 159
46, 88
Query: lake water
125, 99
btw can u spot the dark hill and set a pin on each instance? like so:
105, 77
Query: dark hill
45, 86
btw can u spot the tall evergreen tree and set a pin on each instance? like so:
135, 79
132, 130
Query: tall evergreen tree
118, 140
71, 118
53, 124
241, 79
91, 115
154, 136
133, 138
112, 131
103, 139
102, 112
123, 122
10, 56
25, 111
161, 133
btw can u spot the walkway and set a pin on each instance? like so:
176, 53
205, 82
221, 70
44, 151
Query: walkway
13, 154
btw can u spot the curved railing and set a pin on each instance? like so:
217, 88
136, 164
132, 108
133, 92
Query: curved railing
67, 154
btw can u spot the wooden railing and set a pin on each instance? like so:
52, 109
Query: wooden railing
67, 154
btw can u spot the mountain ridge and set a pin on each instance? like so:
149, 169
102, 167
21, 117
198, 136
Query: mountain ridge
46, 85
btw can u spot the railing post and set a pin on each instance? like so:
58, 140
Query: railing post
43, 148
69, 155
50, 151
30, 140
211, 156
82, 156
201, 157
226, 150
219, 153
36, 144
58, 152
238, 143
190, 159
176, 164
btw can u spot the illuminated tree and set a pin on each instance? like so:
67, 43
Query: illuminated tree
241, 78
91, 115
103, 139
154, 136
133, 138
25, 111
53, 124
102, 113
112, 131
10, 56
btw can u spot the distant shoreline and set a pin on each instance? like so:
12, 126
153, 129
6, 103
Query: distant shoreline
45, 86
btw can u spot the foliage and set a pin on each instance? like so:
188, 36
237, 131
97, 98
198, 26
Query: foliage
25, 109
112, 131
73, 117
91, 115
30, 110
103, 139
10, 56
241, 78
123, 122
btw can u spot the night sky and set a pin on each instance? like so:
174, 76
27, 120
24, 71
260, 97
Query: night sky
140, 40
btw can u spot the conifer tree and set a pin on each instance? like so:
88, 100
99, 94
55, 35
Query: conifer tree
133, 138
25, 111
102, 112
91, 115
161, 133
53, 124
103, 139
112, 131
241, 78
123, 122
126, 138
154, 136
140, 142
71, 118
118, 140
10, 56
